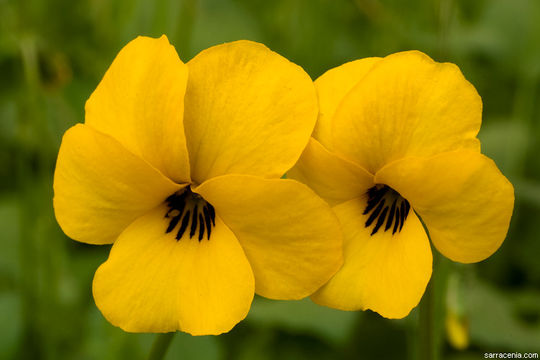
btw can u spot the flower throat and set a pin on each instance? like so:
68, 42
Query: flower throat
386, 204
186, 206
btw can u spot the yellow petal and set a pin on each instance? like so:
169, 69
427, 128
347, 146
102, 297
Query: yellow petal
464, 200
248, 111
382, 272
100, 187
332, 86
332, 177
290, 235
140, 102
407, 105
153, 283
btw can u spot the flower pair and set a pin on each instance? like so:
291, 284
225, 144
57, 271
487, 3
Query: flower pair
180, 165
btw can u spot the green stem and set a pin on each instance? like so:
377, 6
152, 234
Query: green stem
160, 346
427, 337
432, 310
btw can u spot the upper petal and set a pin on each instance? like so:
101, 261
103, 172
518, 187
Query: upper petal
248, 111
290, 236
100, 187
407, 105
332, 177
332, 86
464, 200
384, 272
140, 102
153, 283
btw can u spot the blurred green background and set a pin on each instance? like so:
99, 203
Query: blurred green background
53, 54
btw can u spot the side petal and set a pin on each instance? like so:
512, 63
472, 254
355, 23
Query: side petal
332, 177
407, 105
464, 200
248, 111
290, 235
332, 86
100, 187
153, 283
140, 102
382, 272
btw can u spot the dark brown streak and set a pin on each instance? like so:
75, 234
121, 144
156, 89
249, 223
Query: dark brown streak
374, 196
375, 213
391, 215
208, 221
212, 214
194, 219
385, 205
173, 223
201, 227
396, 224
183, 227
201, 214
380, 221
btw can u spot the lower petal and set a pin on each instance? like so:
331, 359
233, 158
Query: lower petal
382, 272
290, 235
153, 283
464, 200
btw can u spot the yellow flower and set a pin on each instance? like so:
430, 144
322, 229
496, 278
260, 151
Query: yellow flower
395, 141
199, 221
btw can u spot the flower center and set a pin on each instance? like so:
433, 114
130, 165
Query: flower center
385, 203
191, 211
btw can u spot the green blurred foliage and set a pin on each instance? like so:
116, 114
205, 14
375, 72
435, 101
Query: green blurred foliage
52, 55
